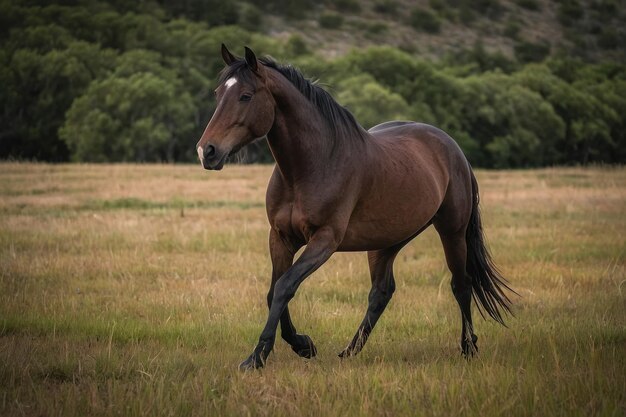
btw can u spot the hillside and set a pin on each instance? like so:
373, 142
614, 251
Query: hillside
526, 29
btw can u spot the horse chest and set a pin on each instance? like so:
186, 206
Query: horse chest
296, 223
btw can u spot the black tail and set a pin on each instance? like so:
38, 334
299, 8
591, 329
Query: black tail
487, 283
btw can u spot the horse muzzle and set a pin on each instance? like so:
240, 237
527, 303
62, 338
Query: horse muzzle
211, 157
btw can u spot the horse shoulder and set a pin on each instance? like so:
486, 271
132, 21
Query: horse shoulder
278, 201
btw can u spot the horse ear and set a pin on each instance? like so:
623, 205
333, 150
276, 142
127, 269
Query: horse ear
227, 56
251, 60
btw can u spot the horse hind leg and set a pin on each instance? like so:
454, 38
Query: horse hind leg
455, 248
383, 286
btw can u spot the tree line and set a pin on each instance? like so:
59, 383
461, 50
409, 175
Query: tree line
87, 80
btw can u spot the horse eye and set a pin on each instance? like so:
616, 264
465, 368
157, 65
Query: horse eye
245, 97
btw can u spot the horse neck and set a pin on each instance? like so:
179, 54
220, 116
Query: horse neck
301, 139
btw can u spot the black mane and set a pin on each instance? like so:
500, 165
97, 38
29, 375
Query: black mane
340, 119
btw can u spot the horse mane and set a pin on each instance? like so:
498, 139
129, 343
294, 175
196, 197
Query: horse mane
339, 118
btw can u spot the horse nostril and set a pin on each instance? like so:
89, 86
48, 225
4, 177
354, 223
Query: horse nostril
209, 151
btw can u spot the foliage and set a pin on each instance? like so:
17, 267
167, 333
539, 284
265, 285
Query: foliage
250, 17
213, 12
569, 11
425, 20
371, 102
529, 4
346, 5
331, 20
86, 80
138, 117
527, 51
389, 7
296, 46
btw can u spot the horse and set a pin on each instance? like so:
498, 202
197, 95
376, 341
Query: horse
339, 187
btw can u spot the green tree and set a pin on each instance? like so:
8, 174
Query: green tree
587, 119
135, 118
370, 102
531, 129
39, 88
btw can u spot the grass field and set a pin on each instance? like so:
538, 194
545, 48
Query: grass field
137, 289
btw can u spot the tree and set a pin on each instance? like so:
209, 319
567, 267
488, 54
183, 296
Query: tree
370, 102
134, 118
39, 88
532, 128
587, 119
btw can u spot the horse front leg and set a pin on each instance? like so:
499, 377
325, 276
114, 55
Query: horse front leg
320, 247
282, 258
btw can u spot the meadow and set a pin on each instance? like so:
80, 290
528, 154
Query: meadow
136, 290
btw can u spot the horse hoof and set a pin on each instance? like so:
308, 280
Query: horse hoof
251, 363
469, 349
304, 347
346, 353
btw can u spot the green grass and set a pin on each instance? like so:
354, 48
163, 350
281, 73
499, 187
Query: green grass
137, 289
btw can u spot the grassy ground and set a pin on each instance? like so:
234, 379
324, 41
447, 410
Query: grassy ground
137, 289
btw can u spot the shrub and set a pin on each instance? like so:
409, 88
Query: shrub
606, 7
528, 4
376, 28
424, 20
389, 7
438, 5
296, 46
488, 8
512, 29
250, 17
526, 51
467, 15
370, 102
608, 38
569, 12
347, 5
331, 20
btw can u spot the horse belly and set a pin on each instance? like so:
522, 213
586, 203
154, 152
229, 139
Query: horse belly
372, 228
398, 204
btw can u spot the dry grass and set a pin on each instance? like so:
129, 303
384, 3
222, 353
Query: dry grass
137, 289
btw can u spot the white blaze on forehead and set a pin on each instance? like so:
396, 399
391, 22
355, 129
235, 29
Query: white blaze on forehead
230, 82
200, 153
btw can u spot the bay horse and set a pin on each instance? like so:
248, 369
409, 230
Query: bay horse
337, 187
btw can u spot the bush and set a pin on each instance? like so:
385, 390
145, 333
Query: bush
370, 102
376, 28
439, 5
569, 12
467, 15
424, 20
288, 8
528, 4
512, 29
250, 17
389, 7
487, 8
347, 5
136, 118
331, 20
606, 8
608, 38
526, 51
296, 46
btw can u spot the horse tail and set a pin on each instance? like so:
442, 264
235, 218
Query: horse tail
488, 284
